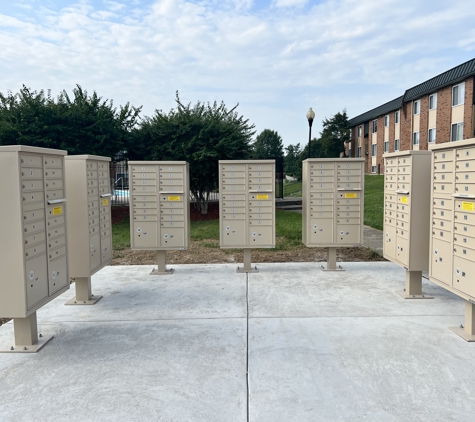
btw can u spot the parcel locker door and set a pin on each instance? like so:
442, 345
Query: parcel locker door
95, 250
172, 237
58, 274
441, 257
261, 235
233, 233
36, 280
321, 231
145, 234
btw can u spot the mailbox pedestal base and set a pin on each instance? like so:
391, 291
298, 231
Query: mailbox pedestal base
331, 261
467, 332
413, 288
26, 336
83, 293
247, 268
162, 265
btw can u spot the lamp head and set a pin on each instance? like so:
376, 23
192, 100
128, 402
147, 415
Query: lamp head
310, 116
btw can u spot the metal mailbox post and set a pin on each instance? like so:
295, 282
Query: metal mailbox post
88, 220
33, 246
332, 204
247, 206
452, 242
159, 208
406, 214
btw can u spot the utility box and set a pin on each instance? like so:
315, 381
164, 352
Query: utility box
452, 243
33, 245
159, 208
406, 212
89, 221
247, 205
332, 203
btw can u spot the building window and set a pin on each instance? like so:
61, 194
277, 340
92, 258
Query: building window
458, 94
349, 150
417, 107
432, 101
431, 135
373, 150
359, 131
415, 138
359, 152
396, 145
386, 146
386, 120
375, 126
457, 132
373, 169
396, 117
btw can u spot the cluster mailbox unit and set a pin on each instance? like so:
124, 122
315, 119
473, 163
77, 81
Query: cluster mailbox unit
332, 204
33, 251
159, 208
452, 243
406, 206
89, 221
247, 206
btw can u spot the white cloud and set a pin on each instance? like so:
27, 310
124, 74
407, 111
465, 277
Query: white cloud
289, 3
276, 62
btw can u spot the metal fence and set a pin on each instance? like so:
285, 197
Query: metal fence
119, 177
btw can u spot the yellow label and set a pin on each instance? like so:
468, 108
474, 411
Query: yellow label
351, 195
262, 196
174, 198
468, 206
57, 210
105, 202
404, 199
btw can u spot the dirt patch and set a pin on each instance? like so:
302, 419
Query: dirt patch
208, 252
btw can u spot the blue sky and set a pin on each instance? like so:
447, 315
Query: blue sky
276, 58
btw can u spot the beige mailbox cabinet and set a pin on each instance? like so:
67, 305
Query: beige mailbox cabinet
33, 246
406, 213
332, 204
452, 243
159, 207
89, 221
247, 205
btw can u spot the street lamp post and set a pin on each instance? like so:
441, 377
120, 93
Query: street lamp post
310, 117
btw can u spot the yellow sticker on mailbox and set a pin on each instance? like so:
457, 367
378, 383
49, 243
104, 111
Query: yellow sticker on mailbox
173, 198
262, 196
468, 206
404, 199
57, 210
105, 202
351, 195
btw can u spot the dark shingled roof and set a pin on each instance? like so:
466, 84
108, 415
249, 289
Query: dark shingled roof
376, 112
450, 77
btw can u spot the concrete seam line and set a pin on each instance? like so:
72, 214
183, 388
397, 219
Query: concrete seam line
247, 348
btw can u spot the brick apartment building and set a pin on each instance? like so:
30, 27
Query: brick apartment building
438, 110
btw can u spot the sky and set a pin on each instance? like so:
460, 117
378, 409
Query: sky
276, 58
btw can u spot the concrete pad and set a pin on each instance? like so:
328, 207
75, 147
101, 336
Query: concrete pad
129, 371
130, 293
364, 289
372, 369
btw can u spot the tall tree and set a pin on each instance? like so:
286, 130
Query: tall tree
81, 125
335, 132
292, 161
268, 144
201, 134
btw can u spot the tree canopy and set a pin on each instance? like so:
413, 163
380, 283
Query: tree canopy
268, 144
201, 134
80, 125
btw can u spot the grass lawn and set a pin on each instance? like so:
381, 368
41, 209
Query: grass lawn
293, 189
374, 201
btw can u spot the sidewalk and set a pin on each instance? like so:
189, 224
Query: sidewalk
290, 343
